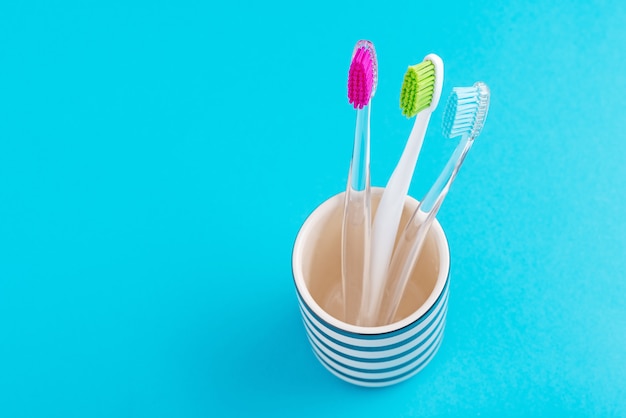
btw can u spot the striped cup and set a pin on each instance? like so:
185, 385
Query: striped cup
369, 356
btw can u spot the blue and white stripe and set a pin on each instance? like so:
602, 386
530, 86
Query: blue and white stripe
377, 359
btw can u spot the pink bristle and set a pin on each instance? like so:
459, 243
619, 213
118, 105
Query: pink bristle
360, 78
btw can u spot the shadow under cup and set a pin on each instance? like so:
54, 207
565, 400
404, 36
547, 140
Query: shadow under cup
369, 356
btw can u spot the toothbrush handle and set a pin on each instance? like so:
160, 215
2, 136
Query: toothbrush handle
387, 220
402, 263
414, 234
355, 246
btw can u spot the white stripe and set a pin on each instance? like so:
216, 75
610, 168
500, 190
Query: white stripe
383, 375
378, 365
363, 342
369, 354
387, 383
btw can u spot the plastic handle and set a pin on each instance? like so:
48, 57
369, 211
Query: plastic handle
387, 220
414, 234
356, 231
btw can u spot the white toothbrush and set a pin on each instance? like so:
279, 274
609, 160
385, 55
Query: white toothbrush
421, 90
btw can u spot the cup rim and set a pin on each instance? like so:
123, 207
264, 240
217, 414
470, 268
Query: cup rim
298, 277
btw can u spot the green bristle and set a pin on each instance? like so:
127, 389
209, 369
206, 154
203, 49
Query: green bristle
417, 88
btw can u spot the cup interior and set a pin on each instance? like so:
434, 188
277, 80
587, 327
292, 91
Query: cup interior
317, 266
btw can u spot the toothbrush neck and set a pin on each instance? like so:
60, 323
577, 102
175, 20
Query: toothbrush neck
359, 170
437, 193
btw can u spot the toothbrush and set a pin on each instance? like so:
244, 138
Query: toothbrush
356, 229
421, 90
464, 116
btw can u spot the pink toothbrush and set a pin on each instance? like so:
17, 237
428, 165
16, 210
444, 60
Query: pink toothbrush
355, 246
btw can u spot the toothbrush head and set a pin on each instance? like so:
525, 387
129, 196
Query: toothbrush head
363, 74
421, 88
466, 110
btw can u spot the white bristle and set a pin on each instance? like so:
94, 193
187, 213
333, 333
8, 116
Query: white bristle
466, 111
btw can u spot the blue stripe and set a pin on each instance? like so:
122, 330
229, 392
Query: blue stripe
431, 327
407, 340
381, 335
389, 380
436, 332
441, 302
435, 323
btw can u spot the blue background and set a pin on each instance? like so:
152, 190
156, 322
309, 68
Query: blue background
157, 160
